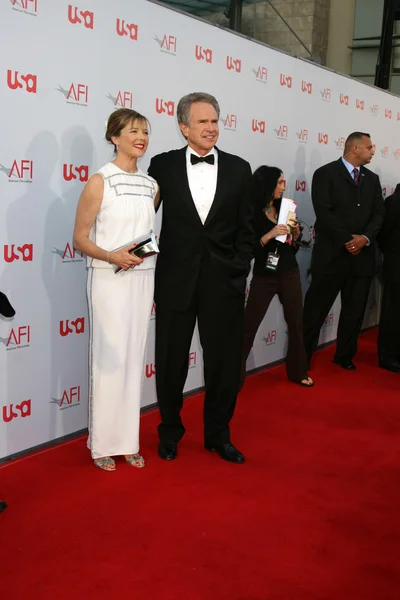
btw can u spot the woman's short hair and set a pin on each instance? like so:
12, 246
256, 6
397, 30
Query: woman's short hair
120, 119
264, 181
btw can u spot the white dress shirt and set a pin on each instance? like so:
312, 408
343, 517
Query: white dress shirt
202, 182
350, 169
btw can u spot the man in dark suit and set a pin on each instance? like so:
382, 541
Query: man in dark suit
205, 250
348, 205
6, 310
389, 325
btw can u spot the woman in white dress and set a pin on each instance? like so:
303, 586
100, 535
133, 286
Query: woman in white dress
117, 205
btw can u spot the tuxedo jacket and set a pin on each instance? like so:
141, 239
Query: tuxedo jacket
226, 236
343, 208
389, 238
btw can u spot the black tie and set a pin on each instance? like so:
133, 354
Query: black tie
197, 159
356, 173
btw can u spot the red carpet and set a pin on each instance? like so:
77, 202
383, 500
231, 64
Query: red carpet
312, 515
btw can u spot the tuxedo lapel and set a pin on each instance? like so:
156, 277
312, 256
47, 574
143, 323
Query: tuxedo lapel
222, 181
182, 183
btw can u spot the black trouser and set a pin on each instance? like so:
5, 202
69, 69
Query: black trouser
262, 290
389, 324
319, 298
219, 311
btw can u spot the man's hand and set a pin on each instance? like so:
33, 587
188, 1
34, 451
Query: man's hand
356, 244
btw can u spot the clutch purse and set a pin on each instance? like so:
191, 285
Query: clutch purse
146, 245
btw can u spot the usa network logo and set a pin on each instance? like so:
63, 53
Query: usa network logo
285, 80
323, 138
67, 327
360, 104
229, 122
329, 321
29, 7
121, 100
76, 93
396, 154
326, 94
344, 99
150, 369
301, 186
21, 171
258, 126
306, 87
12, 252
70, 398
302, 136
270, 337
282, 132
75, 15
131, 30
71, 172
261, 74
27, 82
18, 338
167, 44
165, 106
233, 64
204, 54
68, 254
16, 411
388, 113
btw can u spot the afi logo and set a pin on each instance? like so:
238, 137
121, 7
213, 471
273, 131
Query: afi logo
286, 81
398, 116
360, 104
323, 138
344, 99
396, 154
21, 410
25, 252
29, 6
16, 81
82, 172
20, 337
233, 64
69, 254
329, 320
385, 152
340, 143
129, 29
153, 312
74, 16
326, 94
150, 370
70, 397
282, 132
77, 93
388, 113
123, 99
77, 326
202, 54
258, 126
20, 171
167, 44
303, 136
165, 107
374, 110
261, 74
300, 186
306, 87
230, 122
271, 337
192, 360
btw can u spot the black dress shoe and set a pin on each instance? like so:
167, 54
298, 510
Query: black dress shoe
390, 365
227, 452
345, 363
3, 505
168, 451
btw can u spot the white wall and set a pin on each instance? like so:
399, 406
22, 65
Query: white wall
70, 77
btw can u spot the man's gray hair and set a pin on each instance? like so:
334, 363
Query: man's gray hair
185, 103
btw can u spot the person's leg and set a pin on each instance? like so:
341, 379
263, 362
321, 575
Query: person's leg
291, 298
354, 297
389, 325
3, 505
262, 290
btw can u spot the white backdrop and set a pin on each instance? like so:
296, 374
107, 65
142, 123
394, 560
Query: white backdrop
63, 69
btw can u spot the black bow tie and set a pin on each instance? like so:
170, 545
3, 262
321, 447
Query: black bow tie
197, 159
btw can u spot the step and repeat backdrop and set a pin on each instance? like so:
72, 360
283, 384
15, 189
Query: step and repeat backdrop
63, 69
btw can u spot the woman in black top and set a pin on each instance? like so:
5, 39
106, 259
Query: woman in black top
275, 272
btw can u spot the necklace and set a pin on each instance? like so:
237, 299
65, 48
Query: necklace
269, 208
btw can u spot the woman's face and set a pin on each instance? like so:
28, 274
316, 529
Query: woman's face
280, 187
133, 139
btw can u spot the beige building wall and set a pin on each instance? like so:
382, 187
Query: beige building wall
340, 35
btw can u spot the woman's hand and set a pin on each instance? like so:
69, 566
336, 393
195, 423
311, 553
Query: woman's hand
124, 260
279, 230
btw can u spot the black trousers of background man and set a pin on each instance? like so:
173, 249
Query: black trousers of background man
319, 298
389, 325
219, 311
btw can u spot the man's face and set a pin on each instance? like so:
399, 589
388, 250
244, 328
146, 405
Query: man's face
202, 131
365, 150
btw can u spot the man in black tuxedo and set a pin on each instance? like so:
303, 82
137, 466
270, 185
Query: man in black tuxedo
348, 205
6, 310
389, 325
205, 251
